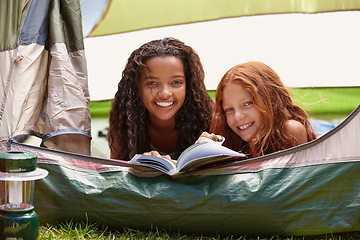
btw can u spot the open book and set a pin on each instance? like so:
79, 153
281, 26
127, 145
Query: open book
204, 154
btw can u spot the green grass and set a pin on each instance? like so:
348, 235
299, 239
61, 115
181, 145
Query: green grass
320, 103
92, 231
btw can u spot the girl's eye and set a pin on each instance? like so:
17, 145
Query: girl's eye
248, 103
177, 82
227, 110
150, 83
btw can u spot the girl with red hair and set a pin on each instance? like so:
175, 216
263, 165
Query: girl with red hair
255, 113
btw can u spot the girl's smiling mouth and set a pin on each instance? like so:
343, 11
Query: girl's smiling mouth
245, 126
164, 104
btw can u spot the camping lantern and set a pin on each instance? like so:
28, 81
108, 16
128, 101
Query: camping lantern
18, 170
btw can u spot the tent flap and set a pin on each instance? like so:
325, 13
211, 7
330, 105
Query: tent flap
128, 15
44, 89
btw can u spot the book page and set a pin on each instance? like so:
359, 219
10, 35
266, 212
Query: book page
204, 152
161, 164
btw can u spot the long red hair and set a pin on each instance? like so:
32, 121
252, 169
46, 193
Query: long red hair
273, 100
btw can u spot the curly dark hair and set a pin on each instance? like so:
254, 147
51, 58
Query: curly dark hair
128, 133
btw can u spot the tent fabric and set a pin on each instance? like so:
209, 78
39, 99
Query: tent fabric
128, 15
44, 90
306, 190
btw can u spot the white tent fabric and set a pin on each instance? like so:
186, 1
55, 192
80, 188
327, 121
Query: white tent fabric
307, 50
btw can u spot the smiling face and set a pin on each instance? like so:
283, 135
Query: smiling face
163, 89
242, 116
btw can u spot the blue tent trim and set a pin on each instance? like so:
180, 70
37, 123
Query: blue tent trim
36, 26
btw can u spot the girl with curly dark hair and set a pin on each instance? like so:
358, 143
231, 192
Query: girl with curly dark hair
161, 106
255, 113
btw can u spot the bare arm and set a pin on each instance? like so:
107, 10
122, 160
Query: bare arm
114, 149
298, 130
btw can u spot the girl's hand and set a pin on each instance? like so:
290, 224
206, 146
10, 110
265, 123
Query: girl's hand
205, 136
157, 154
